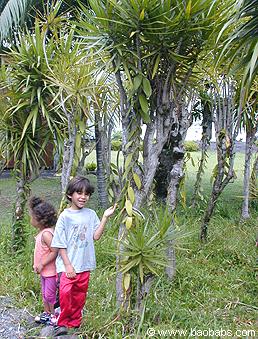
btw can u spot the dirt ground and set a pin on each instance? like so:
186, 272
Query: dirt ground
12, 319
18, 323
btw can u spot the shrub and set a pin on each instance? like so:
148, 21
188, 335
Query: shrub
116, 145
191, 146
91, 167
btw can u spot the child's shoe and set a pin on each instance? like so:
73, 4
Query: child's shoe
57, 311
53, 320
43, 318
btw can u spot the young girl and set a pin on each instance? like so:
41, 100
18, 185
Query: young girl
44, 217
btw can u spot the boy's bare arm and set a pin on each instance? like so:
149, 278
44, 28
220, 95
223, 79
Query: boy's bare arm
99, 231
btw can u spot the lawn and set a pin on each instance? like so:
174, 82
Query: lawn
214, 292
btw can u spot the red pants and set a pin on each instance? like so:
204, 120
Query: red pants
72, 296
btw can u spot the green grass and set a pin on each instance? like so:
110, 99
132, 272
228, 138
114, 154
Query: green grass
48, 188
215, 286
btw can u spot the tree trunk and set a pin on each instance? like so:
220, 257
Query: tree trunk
200, 171
206, 137
107, 148
250, 137
143, 290
101, 178
121, 297
161, 176
130, 127
176, 174
209, 211
226, 128
221, 180
85, 153
23, 190
171, 259
68, 156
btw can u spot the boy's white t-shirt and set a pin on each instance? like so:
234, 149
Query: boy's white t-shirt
74, 231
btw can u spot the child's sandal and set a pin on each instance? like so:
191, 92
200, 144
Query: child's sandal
43, 318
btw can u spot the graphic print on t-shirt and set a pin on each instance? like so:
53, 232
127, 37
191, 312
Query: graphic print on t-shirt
79, 236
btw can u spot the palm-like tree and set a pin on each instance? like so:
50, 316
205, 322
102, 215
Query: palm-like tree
152, 48
12, 13
15, 13
105, 105
30, 121
241, 49
241, 45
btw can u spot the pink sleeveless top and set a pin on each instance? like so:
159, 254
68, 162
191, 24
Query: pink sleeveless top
41, 252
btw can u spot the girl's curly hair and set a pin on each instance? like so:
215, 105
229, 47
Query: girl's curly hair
43, 212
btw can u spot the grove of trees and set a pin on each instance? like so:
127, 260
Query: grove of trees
150, 67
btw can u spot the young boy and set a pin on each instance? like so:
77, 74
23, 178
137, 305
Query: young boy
76, 229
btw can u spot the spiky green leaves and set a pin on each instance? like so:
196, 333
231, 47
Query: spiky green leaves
11, 15
145, 247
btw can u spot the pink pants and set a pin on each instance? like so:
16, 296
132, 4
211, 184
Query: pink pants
72, 294
48, 288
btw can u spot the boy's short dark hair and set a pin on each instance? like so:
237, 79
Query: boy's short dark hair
79, 184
